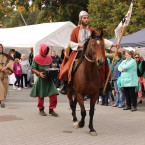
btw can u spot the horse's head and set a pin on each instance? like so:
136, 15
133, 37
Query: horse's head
95, 49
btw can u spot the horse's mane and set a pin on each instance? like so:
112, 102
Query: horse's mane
82, 56
84, 49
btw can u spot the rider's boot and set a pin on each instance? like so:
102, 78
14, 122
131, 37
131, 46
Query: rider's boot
64, 88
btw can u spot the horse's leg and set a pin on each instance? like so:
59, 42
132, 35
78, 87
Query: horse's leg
72, 106
91, 113
83, 111
74, 113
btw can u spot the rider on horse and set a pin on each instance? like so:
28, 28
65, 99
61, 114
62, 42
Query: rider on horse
78, 37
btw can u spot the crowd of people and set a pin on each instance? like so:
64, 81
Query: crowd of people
127, 79
21, 68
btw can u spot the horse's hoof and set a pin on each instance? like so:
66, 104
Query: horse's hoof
93, 133
81, 125
76, 125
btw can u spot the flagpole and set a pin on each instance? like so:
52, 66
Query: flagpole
119, 41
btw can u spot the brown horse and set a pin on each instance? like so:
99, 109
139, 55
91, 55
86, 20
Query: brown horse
87, 80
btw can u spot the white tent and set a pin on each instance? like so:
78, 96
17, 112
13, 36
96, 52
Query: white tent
22, 38
53, 34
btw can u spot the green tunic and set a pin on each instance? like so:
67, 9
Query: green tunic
43, 87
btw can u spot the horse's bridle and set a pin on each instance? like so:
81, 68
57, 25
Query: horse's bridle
93, 60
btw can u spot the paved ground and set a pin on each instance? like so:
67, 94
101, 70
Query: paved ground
20, 124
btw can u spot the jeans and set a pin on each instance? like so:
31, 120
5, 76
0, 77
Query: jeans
111, 95
17, 81
120, 97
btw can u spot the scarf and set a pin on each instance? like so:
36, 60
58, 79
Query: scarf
119, 60
43, 59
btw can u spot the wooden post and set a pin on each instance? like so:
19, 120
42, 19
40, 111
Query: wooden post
119, 41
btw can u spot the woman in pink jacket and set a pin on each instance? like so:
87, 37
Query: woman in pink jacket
18, 72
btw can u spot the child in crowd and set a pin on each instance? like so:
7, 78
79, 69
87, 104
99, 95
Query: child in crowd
18, 72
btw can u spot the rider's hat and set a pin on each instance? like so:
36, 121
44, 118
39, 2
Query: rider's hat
81, 14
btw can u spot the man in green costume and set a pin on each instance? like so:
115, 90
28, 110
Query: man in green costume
44, 86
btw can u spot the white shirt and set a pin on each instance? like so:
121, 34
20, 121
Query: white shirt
84, 34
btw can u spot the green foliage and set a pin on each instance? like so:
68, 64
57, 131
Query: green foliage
16, 19
104, 14
41, 11
107, 14
5, 10
110, 56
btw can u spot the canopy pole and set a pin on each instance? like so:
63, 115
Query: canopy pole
23, 19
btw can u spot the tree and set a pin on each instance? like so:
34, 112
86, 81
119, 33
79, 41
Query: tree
52, 10
107, 14
5, 10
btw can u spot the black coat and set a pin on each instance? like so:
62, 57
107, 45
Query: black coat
31, 58
56, 61
17, 55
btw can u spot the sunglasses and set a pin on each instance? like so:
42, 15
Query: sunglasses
136, 57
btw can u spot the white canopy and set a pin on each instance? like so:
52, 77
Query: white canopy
53, 34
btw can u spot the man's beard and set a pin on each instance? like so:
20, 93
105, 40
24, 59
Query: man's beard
85, 24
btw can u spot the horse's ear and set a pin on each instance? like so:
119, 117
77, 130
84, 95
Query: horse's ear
101, 35
93, 34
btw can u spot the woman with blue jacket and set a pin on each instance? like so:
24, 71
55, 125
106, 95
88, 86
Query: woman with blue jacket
120, 97
129, 80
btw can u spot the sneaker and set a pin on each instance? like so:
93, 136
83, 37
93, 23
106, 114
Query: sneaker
58, 89
126, 108
19, 89
2, 105
86, 97
114, 105
133, 109
120, 106
26, 87
14, 87
100, 99
139, 102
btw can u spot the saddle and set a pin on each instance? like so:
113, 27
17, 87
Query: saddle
75, 65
